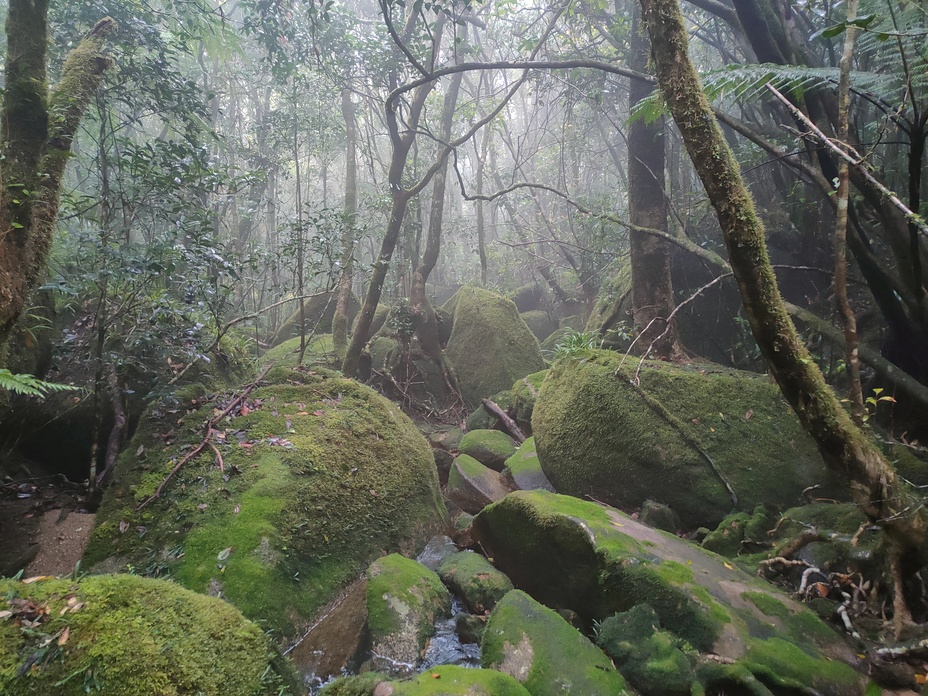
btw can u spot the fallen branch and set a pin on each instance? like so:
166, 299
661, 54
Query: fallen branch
511, 426
205, 442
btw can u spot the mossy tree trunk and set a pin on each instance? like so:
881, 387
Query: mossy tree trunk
652, 288
871, 480
37, 131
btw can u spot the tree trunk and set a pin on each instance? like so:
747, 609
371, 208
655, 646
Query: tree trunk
652, 288
845, 449
37, 131
340, 320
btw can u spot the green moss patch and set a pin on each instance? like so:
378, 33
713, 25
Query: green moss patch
446, 680
490, 345
681, 437
545, 653
489, 447
317, 316
125, 635
320, 476
540, 323
319, 351
524, 469
474, 578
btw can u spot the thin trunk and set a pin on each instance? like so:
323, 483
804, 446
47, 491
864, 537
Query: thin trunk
845, 449
844, 305
481, 224
340, 320
299, 243
652, 289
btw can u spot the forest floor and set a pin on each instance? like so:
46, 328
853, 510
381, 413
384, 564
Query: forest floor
44, 526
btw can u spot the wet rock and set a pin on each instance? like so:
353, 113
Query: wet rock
489, 447
447, 680
436, 552
524, 469
475, 580
404, 599
469, 627
472, 486
598, 561
542, 651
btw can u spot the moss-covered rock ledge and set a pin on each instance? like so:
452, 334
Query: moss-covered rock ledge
596, 561
319, 476
124, 635
701, 439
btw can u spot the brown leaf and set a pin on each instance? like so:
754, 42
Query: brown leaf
245, 410
318, 413
65, 634
123, 526
236, 509
747, 416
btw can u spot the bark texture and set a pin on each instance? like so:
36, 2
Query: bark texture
37, 131
845, 449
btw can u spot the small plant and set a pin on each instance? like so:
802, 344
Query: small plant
30, 386
574, 342
872, 401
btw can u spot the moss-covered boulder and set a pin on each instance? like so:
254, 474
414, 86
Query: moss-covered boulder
472, 486
489, 447
701, 439
545, 653
524, 394
571, 554
404, 598
404, 371
540, 323
659, 516
740, 532
447, 680
124, 635
319, 351
528, 297
524, 470
475, 580
317, 316
490, 346
318, 476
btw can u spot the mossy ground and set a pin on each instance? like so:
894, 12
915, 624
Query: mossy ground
319, 351
490, 345
321, 475
598, 433
447, 680
125, 635
544, 652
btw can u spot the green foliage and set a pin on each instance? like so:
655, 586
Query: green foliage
29, 385
573, 343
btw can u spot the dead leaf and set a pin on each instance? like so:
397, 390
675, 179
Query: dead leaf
436, 675
140, 451
224, 554
236, 509
5, 614
29, 581
245, 410
728, 565
123, 526
65, 634
375, 493
318, 413
202, 506
747, 416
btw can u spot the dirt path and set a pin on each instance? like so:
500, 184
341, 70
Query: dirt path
44, 527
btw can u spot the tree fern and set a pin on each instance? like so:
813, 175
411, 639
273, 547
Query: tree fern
29, 385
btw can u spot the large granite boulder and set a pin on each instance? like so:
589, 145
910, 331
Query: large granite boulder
124, 635
596, 561
291, 496
490, 345
699, 438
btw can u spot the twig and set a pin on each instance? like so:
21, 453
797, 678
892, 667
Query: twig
205, 442
510, 424
218, 457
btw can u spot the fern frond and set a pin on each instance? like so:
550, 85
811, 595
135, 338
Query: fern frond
29, 385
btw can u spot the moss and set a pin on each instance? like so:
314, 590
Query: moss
317, 314
474, 578
528, 297
359, 685
127, 635
779, 663
539, 323
655, 662
451, 680
726, 539
481, 419
544, 652
398, 587
490, 345
674, 438
319, 351
618, 287
320, 476
524, 394
489, 447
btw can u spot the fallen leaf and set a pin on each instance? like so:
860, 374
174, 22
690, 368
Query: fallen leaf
123, 526
5, 614
29, 581
245, 410
436, 675
224, 554
140, 451
728, 565
375, 493
237, 509
318, 413
65, 634
202, 506
747, 416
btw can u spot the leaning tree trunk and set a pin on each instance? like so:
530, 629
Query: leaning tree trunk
37, 131
652, 288
845, 449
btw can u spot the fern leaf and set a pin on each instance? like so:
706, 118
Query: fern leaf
29, 385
